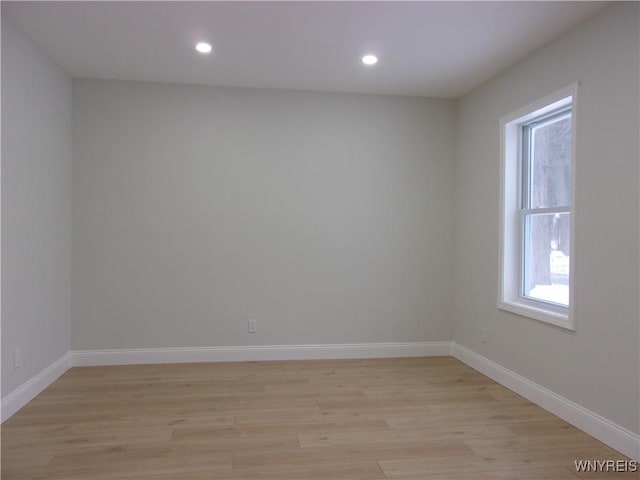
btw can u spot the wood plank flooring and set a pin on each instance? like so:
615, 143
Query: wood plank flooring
409, 418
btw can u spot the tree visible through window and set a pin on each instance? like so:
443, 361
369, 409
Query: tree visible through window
546, 207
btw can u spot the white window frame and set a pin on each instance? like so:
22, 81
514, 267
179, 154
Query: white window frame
510, 293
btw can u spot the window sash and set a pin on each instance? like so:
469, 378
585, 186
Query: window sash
527, 153
525, 214
526, 164
545, 210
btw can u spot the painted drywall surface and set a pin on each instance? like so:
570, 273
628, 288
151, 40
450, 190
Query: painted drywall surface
36, 209
326, 217
598, 365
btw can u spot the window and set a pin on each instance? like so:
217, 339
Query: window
538, 148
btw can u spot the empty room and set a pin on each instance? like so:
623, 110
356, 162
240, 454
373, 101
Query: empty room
320, 240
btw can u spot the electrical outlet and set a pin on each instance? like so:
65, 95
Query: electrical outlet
17, 358
483, 335
253, 325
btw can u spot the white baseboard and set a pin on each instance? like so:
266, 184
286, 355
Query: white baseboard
84, 358
608, 432
28, 390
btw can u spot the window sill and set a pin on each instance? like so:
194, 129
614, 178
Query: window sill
562, 320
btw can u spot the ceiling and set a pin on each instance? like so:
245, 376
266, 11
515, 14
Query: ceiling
434, 49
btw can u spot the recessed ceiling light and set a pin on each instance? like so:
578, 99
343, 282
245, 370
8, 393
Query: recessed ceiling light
369, 59
203, 47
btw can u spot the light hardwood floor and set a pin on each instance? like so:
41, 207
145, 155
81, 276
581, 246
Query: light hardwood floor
427, 418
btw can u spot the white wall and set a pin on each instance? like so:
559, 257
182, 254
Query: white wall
36, 209
328, 217
598, 365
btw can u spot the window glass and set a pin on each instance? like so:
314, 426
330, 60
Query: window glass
550, 162
547, 257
